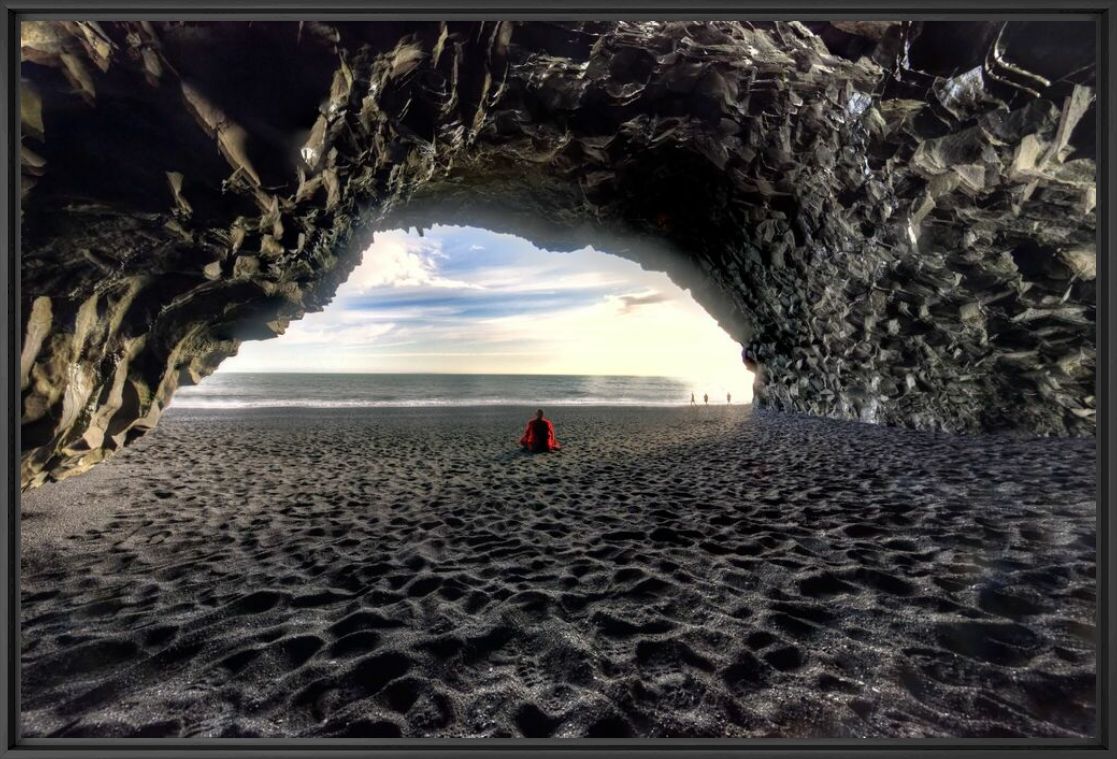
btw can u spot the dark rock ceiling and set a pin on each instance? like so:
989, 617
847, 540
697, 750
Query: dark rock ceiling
896, 220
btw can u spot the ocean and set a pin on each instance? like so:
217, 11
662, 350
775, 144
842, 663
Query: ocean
242, 390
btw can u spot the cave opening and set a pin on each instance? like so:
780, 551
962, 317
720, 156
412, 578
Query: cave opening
499, 320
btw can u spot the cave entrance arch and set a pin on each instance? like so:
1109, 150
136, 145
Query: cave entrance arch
896, 220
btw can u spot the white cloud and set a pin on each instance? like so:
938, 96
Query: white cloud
545, 278
397, 260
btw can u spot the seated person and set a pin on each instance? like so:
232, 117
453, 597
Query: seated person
539, 437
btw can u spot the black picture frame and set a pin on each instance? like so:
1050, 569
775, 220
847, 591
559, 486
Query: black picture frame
1103, 12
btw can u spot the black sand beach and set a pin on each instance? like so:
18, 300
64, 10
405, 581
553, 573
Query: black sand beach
671, 572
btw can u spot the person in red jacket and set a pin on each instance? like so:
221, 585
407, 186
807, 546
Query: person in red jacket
539, 437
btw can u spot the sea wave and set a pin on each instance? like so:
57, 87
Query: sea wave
230, 404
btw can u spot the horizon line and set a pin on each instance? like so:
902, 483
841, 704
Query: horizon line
479, 374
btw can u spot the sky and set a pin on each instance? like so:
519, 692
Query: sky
467, 300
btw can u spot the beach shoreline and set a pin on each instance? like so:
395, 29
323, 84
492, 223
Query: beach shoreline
673, 571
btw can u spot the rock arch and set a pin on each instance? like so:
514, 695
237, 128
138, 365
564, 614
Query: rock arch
889, 240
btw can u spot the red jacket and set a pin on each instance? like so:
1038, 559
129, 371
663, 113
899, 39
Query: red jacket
536, 443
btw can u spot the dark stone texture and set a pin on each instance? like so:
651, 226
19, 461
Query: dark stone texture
896, 220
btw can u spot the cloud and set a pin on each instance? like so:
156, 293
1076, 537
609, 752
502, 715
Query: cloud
534, 278
438, 305
634, 300
397, 260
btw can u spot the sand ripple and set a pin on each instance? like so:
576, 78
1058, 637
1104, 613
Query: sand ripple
670, 573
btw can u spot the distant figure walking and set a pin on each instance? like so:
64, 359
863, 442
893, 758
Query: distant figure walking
692, 403
728, 399
539, 437
706, 398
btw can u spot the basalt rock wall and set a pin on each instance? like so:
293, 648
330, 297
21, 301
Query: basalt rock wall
896, 220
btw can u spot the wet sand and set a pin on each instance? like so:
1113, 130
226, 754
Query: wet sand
671, 572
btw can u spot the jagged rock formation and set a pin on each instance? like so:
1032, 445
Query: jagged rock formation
896, 220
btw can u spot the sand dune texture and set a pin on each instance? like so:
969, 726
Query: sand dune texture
675, 572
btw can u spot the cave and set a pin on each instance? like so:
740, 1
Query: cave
895, 220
